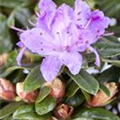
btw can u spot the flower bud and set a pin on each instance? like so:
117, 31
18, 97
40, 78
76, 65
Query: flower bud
3, 59
101, 99
63, 111
57, 88
7, 90
27, 97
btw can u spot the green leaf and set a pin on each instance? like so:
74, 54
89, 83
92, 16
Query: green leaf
11, 3
5, 36
69, 2
34, 80
11, 61
28, 112
87, 95
83, 118
113, 62
22, 14
107, 7
11, 20
107, 47
105, 90
75, 100
115, 29
23, 109
86, 82
110, 75
10, 70
45, 106
96, 113
44, 92
72, 88
9, 109
8, 118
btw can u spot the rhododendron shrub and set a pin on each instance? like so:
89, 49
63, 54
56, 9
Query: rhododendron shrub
59, 60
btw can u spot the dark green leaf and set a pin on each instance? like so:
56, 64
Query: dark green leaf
5, 37
83, 118
86, 82
24, 109
72, 88
45, 106
105, 89
10, 70
115, 29
11, 20
110, 75
11, 3
87, 95
9, 109
11, 61
22, 14
76, 100
44, 92
34, 80
69, 2
113, 62
107, 47
27, 112
10, 118
111, 8
96, 113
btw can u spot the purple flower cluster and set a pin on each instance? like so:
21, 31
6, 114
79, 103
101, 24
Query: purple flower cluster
61, 34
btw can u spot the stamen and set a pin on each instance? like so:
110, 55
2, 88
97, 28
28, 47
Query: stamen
88, 23
108, 34
31, 23
17, 29
37, 14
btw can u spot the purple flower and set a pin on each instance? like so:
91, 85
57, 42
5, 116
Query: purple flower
61, 34
56, 48
89, 25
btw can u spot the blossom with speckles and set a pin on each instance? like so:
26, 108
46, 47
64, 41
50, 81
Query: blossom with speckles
60, 35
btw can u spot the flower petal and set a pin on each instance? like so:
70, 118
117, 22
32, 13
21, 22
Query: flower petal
82, 13
73, 61
98, 23
38, 41
19, 57
62, 18
20, 44
50, 67
97, 61
44, 20
46, 6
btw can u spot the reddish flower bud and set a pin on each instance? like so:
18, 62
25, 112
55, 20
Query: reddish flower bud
101, 99
7, 90
27, 97
63, 111
57, 88
3, 59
